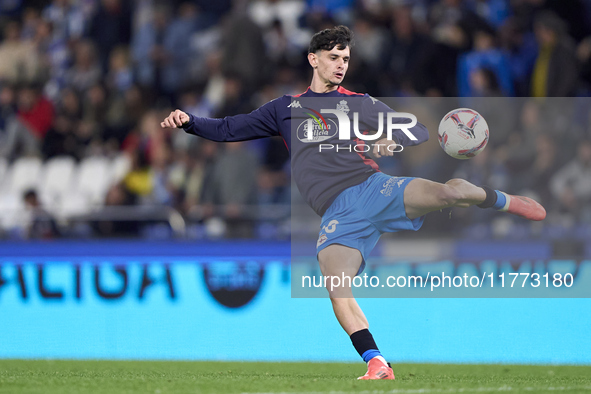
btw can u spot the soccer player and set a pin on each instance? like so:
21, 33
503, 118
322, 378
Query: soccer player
357, 203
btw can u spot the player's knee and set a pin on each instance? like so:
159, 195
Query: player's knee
450, 193
340, 296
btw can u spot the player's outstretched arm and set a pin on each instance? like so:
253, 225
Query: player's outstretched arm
259, 123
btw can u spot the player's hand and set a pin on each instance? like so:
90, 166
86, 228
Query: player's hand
384, 147
175, 119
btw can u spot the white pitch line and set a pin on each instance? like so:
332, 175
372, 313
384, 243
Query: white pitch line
427, 391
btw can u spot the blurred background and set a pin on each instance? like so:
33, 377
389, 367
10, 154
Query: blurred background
84, 85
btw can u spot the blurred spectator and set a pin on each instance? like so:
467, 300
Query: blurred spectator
281, 22
243, 49
571, 185
214, 10
19, 62
31, 19
24, 132
521, 48
124, 114
575, 13
476, 67
119, 76
118, 196
408, 49
86, 70
281, 48
60, 139
69, 18
556, 71
495, 12
189, 175
584, 57
55, 56
214, 89
340, 10
110, 27
95, 104
273, 179
484, 83
42, 224
235, 98
7, 105
162, 189
139, 181
453, 27
519, 152
10, 8
541, 171
160, 48
148, 52
34, 110
232, 186
373, 37
215, 58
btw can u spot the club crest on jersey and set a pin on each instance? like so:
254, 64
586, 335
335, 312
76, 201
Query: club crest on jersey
342, 106
322, 239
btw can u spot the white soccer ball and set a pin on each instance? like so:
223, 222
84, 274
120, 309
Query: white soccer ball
463, 133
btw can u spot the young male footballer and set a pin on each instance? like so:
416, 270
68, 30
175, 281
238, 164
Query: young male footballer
356, 201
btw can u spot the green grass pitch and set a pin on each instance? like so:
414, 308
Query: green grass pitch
48, 377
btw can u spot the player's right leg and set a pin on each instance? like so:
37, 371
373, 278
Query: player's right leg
342, 261
422, 196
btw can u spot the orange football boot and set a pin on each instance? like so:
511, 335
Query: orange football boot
524, 207
376, 370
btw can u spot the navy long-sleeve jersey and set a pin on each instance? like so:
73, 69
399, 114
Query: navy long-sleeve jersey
320, 172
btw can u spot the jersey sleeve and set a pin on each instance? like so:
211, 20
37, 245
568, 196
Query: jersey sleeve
371, 108
260, 123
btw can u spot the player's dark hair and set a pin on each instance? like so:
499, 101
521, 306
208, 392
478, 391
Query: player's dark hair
339, 36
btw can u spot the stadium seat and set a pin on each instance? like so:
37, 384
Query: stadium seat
56, 180
22, 175
3, 167
73, 204
93, 179
120, 167
12, 211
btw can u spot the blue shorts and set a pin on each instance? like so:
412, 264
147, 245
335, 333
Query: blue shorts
362, 213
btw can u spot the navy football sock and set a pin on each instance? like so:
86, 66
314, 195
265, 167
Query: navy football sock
365, 344
494, 199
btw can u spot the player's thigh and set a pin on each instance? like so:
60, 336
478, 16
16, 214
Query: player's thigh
422, 196
338, 259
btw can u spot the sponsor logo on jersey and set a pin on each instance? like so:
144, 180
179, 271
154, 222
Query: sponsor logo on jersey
332, 226
311, 131
389, 185
295, 104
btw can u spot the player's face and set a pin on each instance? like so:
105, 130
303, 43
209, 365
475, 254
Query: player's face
332, 65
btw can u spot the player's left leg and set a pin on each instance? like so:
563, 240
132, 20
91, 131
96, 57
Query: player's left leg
343, 262
422, 196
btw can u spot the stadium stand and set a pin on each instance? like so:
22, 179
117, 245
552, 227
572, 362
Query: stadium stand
79, 113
